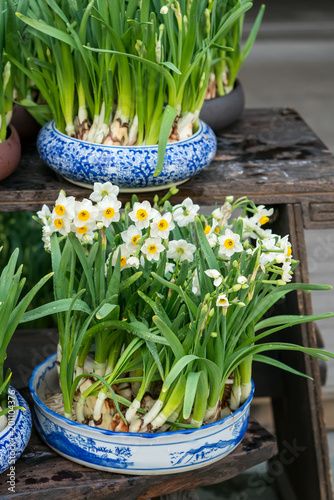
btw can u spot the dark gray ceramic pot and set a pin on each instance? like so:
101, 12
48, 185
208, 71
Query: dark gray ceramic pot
225, 110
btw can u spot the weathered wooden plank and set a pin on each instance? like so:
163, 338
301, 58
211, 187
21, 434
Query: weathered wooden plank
270, 155
41, 473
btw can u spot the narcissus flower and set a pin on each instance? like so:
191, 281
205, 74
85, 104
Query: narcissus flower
185, 212
229, 244
217, 277
152, 248
218, 215
286, 268
44, 214
130, 237
284, 244
142, 214
85, 214
47, 231
195, 284
102, 190
84, 233
242, 280
211, 233
125, 256
162, 225
109, 209
60, 224
181, 250
222, 300
64, 207
169, 267
262, 215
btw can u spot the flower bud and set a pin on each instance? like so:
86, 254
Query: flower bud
245, 286
236, 288
207, 21
229, 199
281, 282
235, 263
164, 10
214, 334
241, 304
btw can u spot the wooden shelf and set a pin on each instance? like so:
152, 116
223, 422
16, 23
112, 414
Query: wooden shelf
42, 474
271, 155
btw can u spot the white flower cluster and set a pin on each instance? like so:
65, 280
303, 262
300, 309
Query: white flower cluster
147, 237
151, 233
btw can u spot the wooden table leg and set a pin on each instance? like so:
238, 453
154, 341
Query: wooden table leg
299, 417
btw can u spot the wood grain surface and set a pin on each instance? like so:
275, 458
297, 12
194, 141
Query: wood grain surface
271, 155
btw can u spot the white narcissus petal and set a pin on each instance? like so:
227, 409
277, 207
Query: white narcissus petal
229, 244
162, 225
169, 267
152, 248
242, 280
212, 273
222, 300
218, 281
185, 213
103, 189
109, 209
44, 214
142, 213
181, 249
85, 213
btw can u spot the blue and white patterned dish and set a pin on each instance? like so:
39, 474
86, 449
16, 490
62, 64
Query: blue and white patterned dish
129, 453
129, 167
14, 438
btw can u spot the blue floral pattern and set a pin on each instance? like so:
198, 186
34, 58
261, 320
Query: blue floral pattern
164, 453
14, 438
128, 166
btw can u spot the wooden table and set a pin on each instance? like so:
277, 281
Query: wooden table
274, 158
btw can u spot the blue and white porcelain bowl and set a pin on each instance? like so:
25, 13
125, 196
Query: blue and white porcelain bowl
14, 438
129, 453
129, 167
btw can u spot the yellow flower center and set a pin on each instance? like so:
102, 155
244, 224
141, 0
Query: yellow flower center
163, 224
60, 210
217, 230
289, 252
207, 229
109, 212
123, 261
222, 301
134, 239
83, 215
82, 230
264, 220
141, 214
228, 243
58, 223
152, 249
